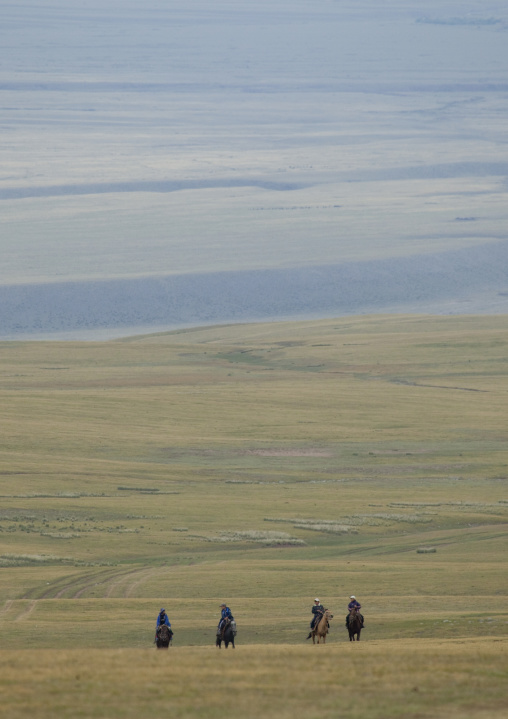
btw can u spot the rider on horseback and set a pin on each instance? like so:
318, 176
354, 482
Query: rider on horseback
225, 614
317, 610
354, 604
162, 618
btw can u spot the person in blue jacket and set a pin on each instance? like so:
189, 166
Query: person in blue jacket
225, 613
162, 618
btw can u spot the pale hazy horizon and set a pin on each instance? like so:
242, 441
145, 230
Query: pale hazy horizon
169, 163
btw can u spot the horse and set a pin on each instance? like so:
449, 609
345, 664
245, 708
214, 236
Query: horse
320, 630
226, 634
355, 625
163, 637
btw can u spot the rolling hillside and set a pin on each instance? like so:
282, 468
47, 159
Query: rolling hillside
262, 465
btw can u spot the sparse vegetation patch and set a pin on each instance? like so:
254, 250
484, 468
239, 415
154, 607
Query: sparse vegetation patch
138, 489
22, 560
270, 539
317, 525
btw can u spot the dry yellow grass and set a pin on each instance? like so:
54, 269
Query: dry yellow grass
436, 678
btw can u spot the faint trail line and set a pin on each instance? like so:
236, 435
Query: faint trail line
105, 579
59, 588
461, 389
26, 612
8, 604
72, 585
120, 580
438, 386
76, 586
144, 574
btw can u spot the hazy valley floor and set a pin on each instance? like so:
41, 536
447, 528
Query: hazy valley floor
167, 165
466, 281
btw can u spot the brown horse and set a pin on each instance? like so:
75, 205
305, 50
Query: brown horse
321, 629
355, 625
164, 637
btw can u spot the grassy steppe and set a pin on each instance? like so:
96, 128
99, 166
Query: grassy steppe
363, 681
262, 465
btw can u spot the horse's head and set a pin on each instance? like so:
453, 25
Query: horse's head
328, 614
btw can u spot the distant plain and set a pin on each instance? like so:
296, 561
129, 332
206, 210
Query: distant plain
228, 162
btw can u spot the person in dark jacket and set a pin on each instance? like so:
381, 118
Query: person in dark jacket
225, 613
317, 610
353, 604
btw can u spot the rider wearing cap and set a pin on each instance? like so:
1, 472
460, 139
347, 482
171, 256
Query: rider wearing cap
225, 613
317, 610
353, 604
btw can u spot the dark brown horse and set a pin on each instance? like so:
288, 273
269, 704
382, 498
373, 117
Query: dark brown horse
226, 634
164, 636
355, 625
